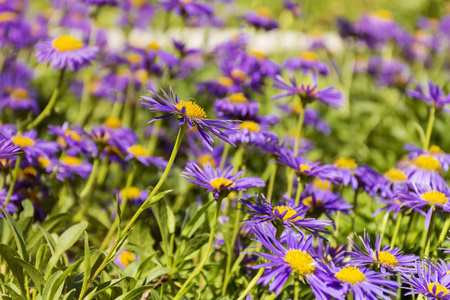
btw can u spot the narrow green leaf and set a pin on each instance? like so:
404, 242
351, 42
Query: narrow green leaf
102, 287
156, 272
9, 254
134, 293
155, 295
57, 285
155, 199
49, 285
69, 295
18, 235
50, 241
34, 274
86, 263
144, 265
194, 244
14, 293
170, 220
196, 221
28, 209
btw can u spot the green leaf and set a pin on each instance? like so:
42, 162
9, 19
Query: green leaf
48, 287
86, 263
156, 272
50, 241
14, 293
102, 287
28, 209
18, 235
69, 295
170, 220
154, 199
144, 265
155, 295
9, 254
134, 293
196, 221
194, 245
118, 212
54, 290
34, 274
65, 241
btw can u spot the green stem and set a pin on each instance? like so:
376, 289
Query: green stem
442, 235
398, 222
223, 159
115, 224
48, 109
140, 210
127, 109
205, 257
154, 137
431, 118
301, 117
251, 284
355, 205
299, 190
13, 180
273, 175
103, 172
2, 180
427, 244
384, 224
408, 228
116, 109
90, 184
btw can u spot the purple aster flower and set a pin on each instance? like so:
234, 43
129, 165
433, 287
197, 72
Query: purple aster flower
365, 283
424, 171
433, 95
202, 155
10, 207
293, 7
308, 93
8, 149
216, 180
188, 112
187, 7
154, 51
389, 72
326, 254
344, 172
220, 87
16, 94
434, 151
65, 51
307, 62
124, 258
137, 13
73, 137
253, 133
386, 257
426, 280
311, 118
431, 199
140, 153
293, 259
134, 195
262, 18
261, 64
236, 106
286, 216
71, 166
303, 166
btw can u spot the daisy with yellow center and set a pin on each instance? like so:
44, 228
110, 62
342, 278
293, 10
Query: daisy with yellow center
386, 258
20, 94
113, 123
351, 275
434, 197
221, 183
225, 81
395, 175
124, 258
133, 193
345, 163
153, 46
264, 12
193, 110
300, 261
205, 159
238, 98
138, 150
71, 160
437, 289
308, 202
309, 55
286, 213
251, 126
427, 163
67, 43
23, 141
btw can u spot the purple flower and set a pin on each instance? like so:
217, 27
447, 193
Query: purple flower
124, 258
236, 106
317, 201
309, 93
187, 7
65, 51
70, 167
433, 95
140, 153
294, 259
8, 149
262, 18
188, 112
424, 171
307, 62
344, 172
216, 180
255, 134
134, 195
434, 151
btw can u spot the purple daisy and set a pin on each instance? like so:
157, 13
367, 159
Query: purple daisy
134, 195
262, 18
253, 133
124, 258
236, 106
307, 62
293, 259
344, 172
424, 171
434, 151
8, 149
65, 51
309, 93
188, 112
289, 215
141, 154
216, 180
71, 166
187, 7
386, 257
433, 95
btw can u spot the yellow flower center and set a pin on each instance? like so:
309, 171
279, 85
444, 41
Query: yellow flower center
238, 98
23, 141
133, 193
30, 171
43, 161
238, 74
304, 93
351, 275
141, 75
395, 175
322, 184
386, 258
250, 126
113, 123
435, 150
134, 58
138, 3
308, 55
138, 150
71, 160
8, 16
308, 201
225, 81
204, 159
20, 94
264, 12
434, 197
258, 54
440, 289
193, 110
304, 168
67, 43
290, 212
73, 134
221, 183
345, 163
153, 46
428, 163
383, 14
300, 261
126, 258
297, 108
